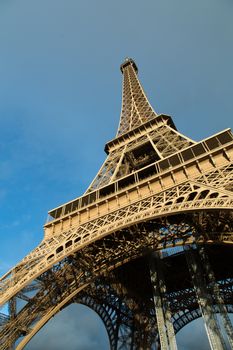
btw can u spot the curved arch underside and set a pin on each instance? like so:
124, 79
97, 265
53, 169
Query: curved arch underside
171, 201
157, 189
76, 273
192, 315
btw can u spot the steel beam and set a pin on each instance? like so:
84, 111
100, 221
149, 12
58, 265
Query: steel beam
217, 295
204, 300
163, 314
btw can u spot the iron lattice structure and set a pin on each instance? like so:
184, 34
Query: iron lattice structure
148, 246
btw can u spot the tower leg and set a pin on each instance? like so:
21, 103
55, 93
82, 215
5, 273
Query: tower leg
12, 309
204, 300
163, 314
217, 295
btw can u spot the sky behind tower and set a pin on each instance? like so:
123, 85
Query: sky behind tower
60, 99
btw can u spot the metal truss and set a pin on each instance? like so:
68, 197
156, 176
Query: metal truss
136, 108
132, 318
108, 312
162, 308
160, 143
156, 189
216, 339
67, 278
178, 199
192, 315
185, 307
120, 313
216, 294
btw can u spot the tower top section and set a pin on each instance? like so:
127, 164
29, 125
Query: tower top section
128, 61
136, 109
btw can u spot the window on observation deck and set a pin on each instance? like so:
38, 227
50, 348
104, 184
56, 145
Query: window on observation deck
126, 181
105, 191
187, 154
225, 137
137, 158
212, 143
164, 164
198, 149
143, 156
147, 172
174, 160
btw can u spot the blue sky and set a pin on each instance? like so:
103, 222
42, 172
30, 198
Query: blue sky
60, 92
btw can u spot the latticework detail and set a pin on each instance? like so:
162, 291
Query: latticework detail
136, 109
157, 190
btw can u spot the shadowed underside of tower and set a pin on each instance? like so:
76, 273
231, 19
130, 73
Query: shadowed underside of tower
160, 206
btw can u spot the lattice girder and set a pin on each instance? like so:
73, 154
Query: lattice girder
156, 186
192, 315
136, 108
66, 279
180, 198
176, 199
109, 311
161, 140
144, 194
156, 189
146, 209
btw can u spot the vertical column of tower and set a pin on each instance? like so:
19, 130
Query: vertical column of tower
163, 314
217, 295
12, 309
204, 300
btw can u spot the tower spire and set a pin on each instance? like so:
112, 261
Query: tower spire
136, 108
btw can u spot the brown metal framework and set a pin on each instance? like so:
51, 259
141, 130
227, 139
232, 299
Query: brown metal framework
157, 189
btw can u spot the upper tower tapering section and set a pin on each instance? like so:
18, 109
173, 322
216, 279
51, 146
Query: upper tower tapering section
136, 108
128, 61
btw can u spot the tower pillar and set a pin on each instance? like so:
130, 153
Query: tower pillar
162, 311
216, 294
204, 300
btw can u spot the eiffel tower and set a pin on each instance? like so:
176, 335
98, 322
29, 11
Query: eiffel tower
148, 246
